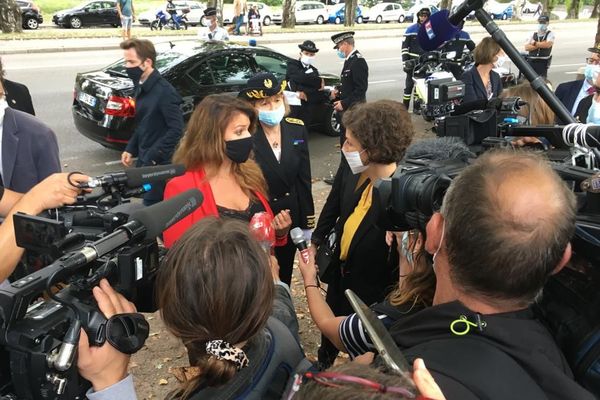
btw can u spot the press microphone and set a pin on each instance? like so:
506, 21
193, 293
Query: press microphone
261, 227
134, 177
145, 223
300, 241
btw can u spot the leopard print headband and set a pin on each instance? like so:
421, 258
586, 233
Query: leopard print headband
222, 350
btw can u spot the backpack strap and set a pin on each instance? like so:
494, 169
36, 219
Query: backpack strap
482, 368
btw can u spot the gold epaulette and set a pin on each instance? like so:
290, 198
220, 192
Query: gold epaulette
294, 121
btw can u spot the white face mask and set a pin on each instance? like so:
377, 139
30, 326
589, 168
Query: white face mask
306, 60
206, 22
354, 161
500, 62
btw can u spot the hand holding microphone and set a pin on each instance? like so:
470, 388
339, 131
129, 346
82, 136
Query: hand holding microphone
306, 260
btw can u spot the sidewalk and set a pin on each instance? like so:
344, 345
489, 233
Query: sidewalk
24, 46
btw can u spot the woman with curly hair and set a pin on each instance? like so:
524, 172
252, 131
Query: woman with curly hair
377, 135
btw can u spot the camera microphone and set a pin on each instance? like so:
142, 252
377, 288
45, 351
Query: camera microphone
135, 177
300, 241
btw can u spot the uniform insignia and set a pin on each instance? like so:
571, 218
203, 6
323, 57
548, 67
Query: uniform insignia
268, 83
294, 121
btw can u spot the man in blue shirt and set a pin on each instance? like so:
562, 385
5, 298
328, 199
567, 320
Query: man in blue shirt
127, 15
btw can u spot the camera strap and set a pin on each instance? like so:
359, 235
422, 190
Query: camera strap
127, 332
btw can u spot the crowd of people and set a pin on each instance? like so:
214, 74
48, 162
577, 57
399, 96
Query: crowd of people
503, 229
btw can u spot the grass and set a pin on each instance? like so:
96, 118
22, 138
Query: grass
49, 7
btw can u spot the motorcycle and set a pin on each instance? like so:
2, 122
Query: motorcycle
165, 20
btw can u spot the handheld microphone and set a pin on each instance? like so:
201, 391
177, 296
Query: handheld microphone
143, 224
135, 177
261, 227
300, 241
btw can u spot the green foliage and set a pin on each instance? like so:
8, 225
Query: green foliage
49, 7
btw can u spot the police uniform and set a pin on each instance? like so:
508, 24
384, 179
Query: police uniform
540, 59
289, 179
411, 50
219, 33
305, 78
354, 77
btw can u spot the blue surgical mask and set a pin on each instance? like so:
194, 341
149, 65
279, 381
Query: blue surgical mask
591, 72
542, 27
341, 54
272, 117
593, 116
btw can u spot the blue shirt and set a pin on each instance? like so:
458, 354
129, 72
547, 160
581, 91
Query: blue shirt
126, 8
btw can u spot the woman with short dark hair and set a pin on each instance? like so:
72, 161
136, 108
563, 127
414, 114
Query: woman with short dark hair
481, 82
377, 135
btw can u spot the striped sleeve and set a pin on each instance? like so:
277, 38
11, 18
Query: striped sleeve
354, 336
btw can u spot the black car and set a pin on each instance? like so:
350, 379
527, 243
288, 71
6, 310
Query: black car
30, 14
92, 13
103, 108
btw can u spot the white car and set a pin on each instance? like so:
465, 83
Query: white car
530, 8
385, 12
307, 12
265, 13
194, 16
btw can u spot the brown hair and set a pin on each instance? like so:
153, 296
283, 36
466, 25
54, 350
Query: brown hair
203, 142
383, 128
537, 108
485, 51
286, 105
215, 284
143, 48
497, 249
418, 286
310, 389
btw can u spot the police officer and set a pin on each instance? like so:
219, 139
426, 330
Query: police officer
539, 46
303, 78
411, 51
354, 77
212, 30
461, 40
281, 151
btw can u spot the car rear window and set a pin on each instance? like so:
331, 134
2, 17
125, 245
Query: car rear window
164, 61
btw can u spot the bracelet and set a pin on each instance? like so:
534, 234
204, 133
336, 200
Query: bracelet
308, 286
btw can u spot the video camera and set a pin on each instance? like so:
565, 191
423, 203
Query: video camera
40, 321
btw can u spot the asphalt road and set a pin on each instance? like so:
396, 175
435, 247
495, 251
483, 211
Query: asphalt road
50, 79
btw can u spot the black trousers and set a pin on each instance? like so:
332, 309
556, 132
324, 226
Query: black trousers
285, 258
408, 88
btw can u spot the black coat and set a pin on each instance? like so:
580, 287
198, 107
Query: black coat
305, 79
474, 88
17, 96
158, 122
583, 108
370, 269
354, 81
289, 181
567, 93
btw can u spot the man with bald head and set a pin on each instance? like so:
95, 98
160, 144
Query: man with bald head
503, 229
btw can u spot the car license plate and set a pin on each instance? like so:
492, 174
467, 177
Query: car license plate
87, 99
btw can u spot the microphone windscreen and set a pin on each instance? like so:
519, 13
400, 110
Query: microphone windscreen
436, 31
160, 216
156, 173
297, 235
439, 149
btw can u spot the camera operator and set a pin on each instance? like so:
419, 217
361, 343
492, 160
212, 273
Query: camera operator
54, 191
504, 227
234, 347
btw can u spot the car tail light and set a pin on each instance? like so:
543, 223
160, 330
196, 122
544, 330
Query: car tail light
120, 106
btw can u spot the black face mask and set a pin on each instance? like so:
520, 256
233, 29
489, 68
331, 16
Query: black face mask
135, 74
239, 150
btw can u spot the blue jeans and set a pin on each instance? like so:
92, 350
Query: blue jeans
238, 24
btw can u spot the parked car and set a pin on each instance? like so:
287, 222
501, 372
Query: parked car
194, 16
31, 15
498, 10
530, 8
307, 12
93, 13
386, 12
265, 12
410, 14
336, 14
103, 109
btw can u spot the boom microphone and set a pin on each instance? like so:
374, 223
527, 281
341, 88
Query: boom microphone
143, 224
300, 241
135, 177
439, 149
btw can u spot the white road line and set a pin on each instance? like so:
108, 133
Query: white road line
55, 66
378, 82
113, 162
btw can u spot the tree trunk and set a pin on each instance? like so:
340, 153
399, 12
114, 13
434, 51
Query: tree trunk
595, 12
350, 12
10, 17
573, 9
518, 7
446, 4
288, 19
597, 39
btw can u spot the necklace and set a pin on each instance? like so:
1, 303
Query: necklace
275, 144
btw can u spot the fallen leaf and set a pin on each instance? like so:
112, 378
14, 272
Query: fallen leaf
163, 382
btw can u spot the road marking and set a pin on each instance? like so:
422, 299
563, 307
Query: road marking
69, 65
567, 65
377, 82
113, 162
383, 59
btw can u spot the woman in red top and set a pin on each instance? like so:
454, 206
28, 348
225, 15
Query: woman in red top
215, 151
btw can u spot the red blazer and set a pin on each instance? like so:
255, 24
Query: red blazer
196, 179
